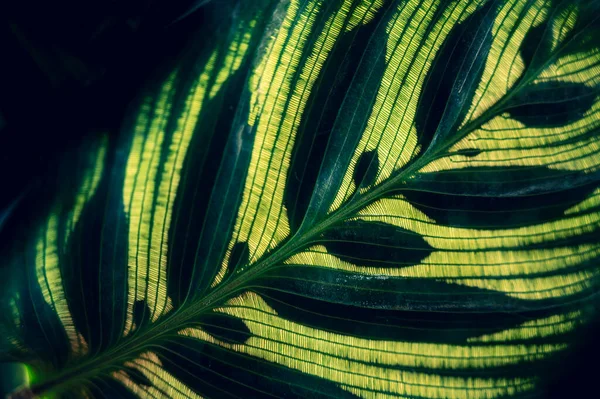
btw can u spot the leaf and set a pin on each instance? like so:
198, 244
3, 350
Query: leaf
455, 74
220, 372
107, 388
225, 328
330, 89
385, 308
366, 169
349, 198
537, 45
376, 244
200, 171
584, 35
137, 376
498, 198
104, 276
552, 104
141, 314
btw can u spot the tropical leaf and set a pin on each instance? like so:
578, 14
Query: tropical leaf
349, 198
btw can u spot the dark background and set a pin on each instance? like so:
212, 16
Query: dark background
70, 68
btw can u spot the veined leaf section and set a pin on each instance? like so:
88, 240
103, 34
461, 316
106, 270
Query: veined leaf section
418, 212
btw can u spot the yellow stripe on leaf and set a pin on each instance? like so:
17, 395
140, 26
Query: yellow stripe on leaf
150, 217
164, 385
48, 247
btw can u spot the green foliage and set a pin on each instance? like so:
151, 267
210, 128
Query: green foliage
349, 198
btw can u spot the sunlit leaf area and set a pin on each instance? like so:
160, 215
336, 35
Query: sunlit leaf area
326, 199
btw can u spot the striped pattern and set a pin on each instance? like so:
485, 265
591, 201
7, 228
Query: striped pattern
346, 198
